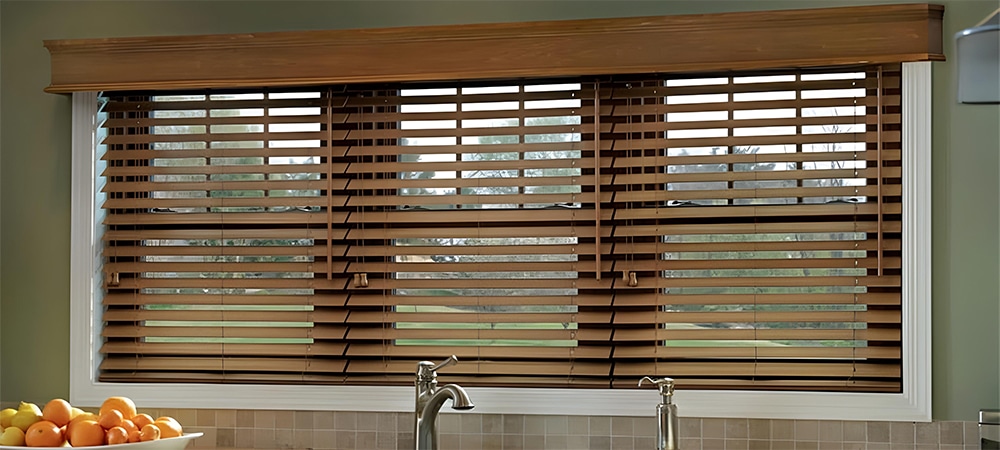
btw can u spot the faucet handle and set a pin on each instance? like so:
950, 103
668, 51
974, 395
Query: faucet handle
427, 371
452, 360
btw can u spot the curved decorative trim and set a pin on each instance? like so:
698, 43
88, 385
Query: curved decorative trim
706, 42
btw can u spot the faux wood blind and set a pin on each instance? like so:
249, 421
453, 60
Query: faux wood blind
727, 230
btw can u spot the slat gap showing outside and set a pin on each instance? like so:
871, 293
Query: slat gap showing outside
339, 234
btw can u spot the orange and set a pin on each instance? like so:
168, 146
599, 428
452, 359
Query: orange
124, 405
141, 420
57, 411
149, 432
79, 418
86, 433
43, 433
130, 429
169, 427
110, 418
116, 435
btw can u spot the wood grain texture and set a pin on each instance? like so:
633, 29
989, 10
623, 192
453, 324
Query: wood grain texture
705, 42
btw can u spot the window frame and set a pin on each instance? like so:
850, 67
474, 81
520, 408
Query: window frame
913, 404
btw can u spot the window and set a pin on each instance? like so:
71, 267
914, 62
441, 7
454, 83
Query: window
733, 231
653, 259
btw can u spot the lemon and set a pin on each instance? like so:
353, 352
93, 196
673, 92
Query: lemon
12, 437
5, 415
27, 414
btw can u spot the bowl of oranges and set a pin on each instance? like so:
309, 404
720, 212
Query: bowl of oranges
117, 424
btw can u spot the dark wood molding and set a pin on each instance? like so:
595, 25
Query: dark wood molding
706, 42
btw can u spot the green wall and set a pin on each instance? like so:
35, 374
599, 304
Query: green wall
35, 167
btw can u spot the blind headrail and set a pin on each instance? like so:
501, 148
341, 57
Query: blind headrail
681, 43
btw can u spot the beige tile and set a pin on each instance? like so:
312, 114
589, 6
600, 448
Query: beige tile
600, 442
284, 438
926, 433
855, 431
302, 438
737, 429
534, 442
645, 427
344, 439
513, 441
326, 438
901, 433
492, 424
689, 443
263, 418
556, 426
303, 420
831, 431
225, 437
449, 441
759, 429
878, 432
713, 444
492, 441
470, 423
574, 441
209, 438
621, 426
759, 444
737, 444
878, 446
640, 442
203, 418
555, 441
264, 438
365, 439
690, 427
620, 442
782, 444
449, 423
783, 430
367, 421
712, 428
513, 424
600, 426
827, 445
806, 430
284, 419
385, 422
971, 433
578, 425
244, 418
406, 422
806, 445
855, 446
244, 438
405, 441
534, 425
345, 420
322, 420
383, 440
225, 418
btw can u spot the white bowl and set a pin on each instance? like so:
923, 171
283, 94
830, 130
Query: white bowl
177, 443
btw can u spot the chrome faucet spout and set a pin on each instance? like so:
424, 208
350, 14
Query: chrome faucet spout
430, 399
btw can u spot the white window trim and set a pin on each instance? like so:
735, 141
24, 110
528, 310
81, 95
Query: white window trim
914, 404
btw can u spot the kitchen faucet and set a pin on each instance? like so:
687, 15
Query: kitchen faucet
430, 399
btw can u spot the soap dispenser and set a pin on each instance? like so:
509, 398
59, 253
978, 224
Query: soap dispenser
666, 414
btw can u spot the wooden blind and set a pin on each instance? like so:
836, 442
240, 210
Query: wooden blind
729, 230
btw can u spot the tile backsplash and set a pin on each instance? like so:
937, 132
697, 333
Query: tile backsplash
269, 429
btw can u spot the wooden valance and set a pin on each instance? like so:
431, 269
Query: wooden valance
682, 43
